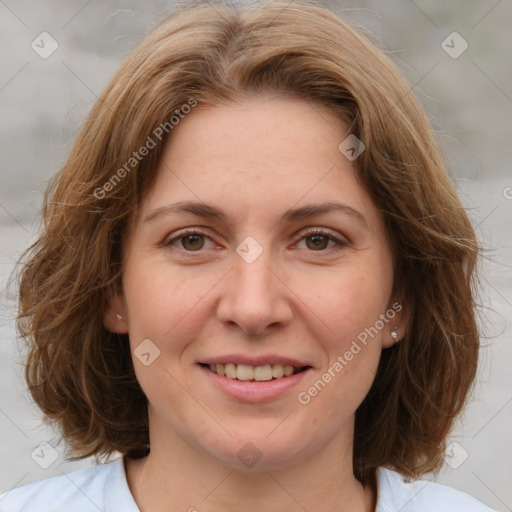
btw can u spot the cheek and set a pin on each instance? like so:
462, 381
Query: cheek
346, 301
352, 303
349, 306
164, 306
162, 300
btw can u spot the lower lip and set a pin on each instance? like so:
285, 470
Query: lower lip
254, 391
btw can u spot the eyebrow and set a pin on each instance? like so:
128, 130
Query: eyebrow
294, 214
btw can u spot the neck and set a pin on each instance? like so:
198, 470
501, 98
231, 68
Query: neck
178, 476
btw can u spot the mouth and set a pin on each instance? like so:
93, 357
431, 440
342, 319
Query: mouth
247, 372
254, 379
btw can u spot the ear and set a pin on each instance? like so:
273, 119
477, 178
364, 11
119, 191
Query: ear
111, 321
397, 319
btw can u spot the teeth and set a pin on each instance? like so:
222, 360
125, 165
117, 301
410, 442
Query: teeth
263, 372
277, 371
244, 372
248, 372
230, 370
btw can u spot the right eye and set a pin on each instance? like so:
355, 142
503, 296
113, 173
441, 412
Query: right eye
190, 240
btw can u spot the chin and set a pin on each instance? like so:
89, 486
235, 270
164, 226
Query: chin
253, 451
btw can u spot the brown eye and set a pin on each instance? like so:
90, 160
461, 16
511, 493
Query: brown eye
192, 242
321, 240
317, 242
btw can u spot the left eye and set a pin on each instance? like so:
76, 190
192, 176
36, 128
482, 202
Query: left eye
318, 240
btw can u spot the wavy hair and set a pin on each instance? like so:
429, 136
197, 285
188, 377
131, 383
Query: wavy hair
82, 376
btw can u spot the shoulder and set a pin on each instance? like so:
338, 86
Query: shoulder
394, 492
90, 489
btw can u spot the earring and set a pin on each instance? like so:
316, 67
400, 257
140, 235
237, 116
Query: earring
394, 335
118, 316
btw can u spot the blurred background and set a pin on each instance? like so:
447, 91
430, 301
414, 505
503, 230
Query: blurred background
57, 56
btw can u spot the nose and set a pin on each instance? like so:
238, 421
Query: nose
254, 297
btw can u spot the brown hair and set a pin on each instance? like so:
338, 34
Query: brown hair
82, 376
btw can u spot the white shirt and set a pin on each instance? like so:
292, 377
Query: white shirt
105, 488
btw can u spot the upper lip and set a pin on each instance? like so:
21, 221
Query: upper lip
255, 360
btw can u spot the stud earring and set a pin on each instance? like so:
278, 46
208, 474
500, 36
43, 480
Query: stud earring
394, 335
118, 316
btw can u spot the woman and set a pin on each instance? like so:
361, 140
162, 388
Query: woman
254, 281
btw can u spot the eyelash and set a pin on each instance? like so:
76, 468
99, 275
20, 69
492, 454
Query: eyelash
309, 232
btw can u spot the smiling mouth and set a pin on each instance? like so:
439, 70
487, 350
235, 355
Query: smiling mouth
246, 372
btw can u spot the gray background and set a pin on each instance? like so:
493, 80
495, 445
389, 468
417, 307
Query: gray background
44, 101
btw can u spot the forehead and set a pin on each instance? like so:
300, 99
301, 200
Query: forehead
258, 158
259, 134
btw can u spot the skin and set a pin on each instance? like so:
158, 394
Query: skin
254, 160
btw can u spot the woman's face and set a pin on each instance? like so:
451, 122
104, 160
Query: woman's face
236, 262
